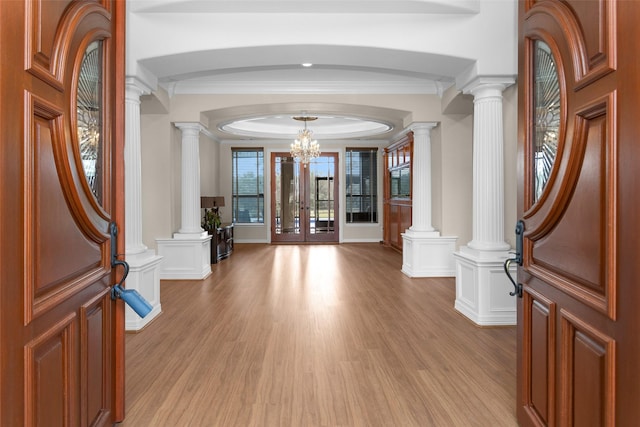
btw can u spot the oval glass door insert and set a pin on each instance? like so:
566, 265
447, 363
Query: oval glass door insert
89, 112
546, 93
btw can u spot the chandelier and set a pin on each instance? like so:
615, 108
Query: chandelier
304, 148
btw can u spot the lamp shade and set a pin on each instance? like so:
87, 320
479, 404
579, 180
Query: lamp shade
209, 202
218, 201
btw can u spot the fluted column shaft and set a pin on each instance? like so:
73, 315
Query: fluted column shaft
488, 167
133, 168
190, 177
421, 179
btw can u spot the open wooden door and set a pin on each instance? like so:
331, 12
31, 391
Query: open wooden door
61, 175
579, 153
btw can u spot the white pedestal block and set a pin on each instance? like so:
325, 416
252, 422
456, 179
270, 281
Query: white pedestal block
427, 254
144, 276
185, 256
482, 287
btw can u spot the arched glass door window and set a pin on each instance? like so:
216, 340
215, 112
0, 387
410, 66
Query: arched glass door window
89, 117
547, 116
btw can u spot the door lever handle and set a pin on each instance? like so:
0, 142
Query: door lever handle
113, 231
517, 258
130, 296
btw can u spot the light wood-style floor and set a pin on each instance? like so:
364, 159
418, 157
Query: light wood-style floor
322, 335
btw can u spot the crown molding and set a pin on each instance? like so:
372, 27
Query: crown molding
303, 87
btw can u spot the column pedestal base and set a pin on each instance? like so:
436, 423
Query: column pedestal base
427, 254
185, 257
482, 287
144, 276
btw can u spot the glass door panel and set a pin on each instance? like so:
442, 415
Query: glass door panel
286, 203
322, 206
303, 199
546, 116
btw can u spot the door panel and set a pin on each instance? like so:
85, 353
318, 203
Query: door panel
578, 311
321, 208
538, 342
96, 339
304, 205
586, 269
587, 374
287, 199
51, 224
50, 361
62, 352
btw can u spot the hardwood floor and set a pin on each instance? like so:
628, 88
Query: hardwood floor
326, 335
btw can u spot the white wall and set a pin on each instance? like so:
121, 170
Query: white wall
456, 177
158, 178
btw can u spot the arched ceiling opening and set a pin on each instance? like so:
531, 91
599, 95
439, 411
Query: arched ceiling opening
354, 47
334, 121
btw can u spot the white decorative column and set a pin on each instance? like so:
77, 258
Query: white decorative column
424, 252
144, 264
421, 179
482, 288
190, 180
188, 254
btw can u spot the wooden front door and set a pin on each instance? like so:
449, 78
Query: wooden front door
579, 124
304, 204
61, 130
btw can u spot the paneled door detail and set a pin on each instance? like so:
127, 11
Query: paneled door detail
62, 90
578, 321
304, 207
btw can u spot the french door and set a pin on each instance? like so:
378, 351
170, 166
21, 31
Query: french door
62, 187
304, 205
578, 199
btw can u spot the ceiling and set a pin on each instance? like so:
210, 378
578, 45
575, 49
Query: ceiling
304, 6
323, 126
355, 47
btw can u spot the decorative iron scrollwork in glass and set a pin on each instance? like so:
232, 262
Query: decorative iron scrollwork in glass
546, 92
89, 116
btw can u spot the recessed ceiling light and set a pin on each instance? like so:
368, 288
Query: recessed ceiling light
307, 64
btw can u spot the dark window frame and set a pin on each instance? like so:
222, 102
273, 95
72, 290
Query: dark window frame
247, 207
361, 185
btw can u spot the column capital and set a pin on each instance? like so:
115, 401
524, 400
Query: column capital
134, 88
488, 86
190, 126
195, 128
422, 127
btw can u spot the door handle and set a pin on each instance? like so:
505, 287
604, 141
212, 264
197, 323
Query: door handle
517, 258
130, 296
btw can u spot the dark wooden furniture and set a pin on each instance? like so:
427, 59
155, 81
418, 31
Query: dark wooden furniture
397, 190
221, 243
